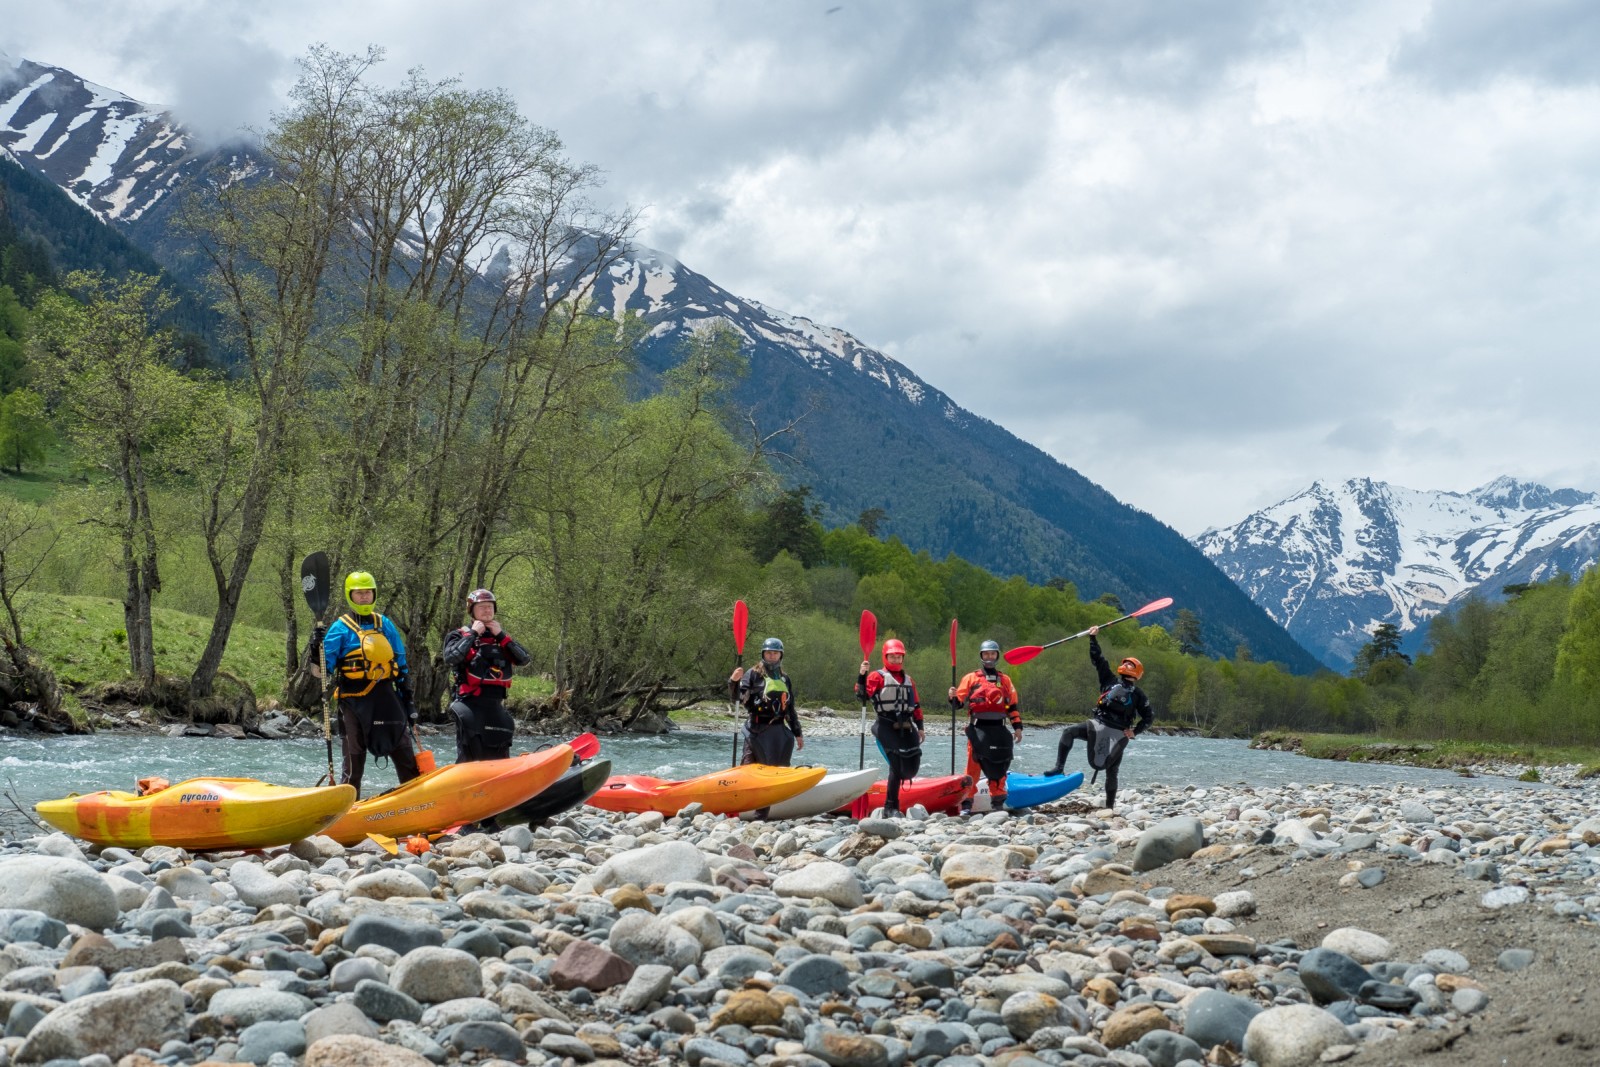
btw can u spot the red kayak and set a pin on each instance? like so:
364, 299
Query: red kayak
936, 794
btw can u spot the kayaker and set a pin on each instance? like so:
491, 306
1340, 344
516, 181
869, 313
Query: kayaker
994, 723
772, 725
898, 727
365, 660
483, 656
1121, 713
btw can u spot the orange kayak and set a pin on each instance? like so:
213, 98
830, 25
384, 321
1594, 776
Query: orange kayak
728, 792
454, 794
200, 814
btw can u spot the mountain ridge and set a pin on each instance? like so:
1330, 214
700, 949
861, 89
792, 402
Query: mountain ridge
1333, 561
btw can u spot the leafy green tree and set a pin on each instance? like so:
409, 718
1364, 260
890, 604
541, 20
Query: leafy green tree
13, 338
25, 431
107, 367
791, 523
1578, 654
1383, 648
871, 519
1186, 629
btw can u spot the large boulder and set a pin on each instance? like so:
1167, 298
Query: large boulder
1170, 839
1292, 1036
65, 889
833, 882
670, 861
115, 1023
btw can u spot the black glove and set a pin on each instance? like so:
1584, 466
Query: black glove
411, 711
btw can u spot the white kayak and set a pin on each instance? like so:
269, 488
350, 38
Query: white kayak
836, 789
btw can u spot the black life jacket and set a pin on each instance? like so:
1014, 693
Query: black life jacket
769, 705
1117, 706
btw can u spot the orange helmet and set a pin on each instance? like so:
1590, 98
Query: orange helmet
892, 646
1129, 665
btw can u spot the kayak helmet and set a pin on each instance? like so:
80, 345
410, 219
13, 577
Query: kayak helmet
361, 580
478, 596
1132, 667
989, 646
893, 647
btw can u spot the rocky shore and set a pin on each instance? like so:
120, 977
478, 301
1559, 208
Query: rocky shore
1285, 927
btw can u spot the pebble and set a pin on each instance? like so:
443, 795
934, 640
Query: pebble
1009, 940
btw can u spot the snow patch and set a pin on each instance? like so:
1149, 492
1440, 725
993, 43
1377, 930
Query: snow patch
31, 134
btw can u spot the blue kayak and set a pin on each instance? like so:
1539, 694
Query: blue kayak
1028, 790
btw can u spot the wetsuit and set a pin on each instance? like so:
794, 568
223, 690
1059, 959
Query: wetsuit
897, 728
992, 720
483, 664
1121, 706
773, 719
373, 697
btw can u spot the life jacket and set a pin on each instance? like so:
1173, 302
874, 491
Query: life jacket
486, 667
374, 661
986, 701
1117, 706
771, 703
896, 701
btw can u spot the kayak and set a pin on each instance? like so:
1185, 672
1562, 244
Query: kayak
936, 794
1029, 790
745, 788
575, 785
455, 794
200, 814
835, 790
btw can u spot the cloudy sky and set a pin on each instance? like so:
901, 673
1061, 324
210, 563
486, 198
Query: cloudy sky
1202, 252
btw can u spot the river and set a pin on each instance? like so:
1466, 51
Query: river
37, 768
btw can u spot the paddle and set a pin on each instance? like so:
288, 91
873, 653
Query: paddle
952, 686
314, 581
585, 746
741, 627
868, 637
1024, 653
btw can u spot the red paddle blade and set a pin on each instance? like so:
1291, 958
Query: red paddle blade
585, 746
741, 625
953, 628
1022, 654
869, 633
1154, 605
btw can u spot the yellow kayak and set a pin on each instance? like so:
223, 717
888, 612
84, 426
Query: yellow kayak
200, 814
454, 794
746, 788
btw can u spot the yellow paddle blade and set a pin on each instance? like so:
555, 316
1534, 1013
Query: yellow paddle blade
388, 844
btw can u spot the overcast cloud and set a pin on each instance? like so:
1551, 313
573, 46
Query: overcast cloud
1203, 253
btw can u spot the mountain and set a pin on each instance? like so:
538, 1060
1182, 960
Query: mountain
1333, 562
869, 432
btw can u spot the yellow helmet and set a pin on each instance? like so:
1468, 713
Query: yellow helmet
361, 580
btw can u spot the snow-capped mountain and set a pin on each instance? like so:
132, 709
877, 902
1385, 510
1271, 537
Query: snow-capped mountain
112, 154
1335, 561
869, 433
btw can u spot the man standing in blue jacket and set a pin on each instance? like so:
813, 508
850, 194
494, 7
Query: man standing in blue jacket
365, 660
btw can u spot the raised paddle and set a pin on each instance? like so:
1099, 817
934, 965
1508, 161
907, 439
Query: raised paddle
314, 581
741, 627
953, 627
1024, 653
868, 637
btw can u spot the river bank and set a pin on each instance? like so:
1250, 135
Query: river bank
1529, 763
1306, 924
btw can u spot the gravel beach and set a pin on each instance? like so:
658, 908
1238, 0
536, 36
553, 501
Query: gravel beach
1281, 927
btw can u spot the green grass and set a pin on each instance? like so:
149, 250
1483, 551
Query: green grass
84, 641
1358, 748
39, 484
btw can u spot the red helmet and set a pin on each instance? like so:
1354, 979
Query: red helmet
1129, 665
893, 645
479, 596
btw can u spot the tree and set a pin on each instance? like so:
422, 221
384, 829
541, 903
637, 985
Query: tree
25, 432
792, 524
27, 537
871, 520
1186, 628
108, 371
1384, 648
1578, 654
1110, 600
